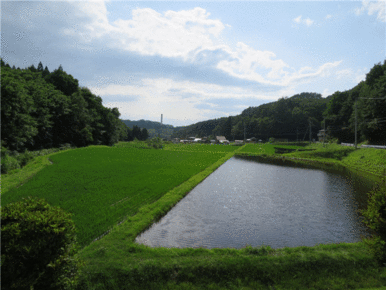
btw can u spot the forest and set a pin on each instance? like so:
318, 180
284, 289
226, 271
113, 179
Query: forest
43, 109
291, 117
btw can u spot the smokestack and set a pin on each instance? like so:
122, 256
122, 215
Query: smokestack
161, 118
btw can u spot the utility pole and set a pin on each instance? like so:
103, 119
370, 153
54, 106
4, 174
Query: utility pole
355, 124
161, 125
244, 131
324, 133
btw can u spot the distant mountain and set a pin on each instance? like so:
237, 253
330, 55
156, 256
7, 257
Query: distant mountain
153, 128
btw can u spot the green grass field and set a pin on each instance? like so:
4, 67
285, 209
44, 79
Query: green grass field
101, 185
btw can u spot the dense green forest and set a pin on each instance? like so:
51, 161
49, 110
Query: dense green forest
43, 109
369, 97
291, 117
287, 118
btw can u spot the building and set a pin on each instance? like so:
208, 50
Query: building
221, 140
251, 140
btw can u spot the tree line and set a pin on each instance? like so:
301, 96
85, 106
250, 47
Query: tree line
287, 118
43, 109
294, 118
365, 105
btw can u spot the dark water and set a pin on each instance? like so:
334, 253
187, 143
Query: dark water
246, 202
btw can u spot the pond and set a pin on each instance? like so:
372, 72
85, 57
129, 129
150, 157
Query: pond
245, 202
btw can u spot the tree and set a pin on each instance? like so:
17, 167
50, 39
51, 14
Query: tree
32, 68
136, 132
40, 67
227, 128
63, 81
17, 124
46, 72
144, 134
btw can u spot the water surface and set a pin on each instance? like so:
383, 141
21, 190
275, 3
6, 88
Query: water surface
249, 203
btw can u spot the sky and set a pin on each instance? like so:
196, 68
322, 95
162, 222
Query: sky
194, 61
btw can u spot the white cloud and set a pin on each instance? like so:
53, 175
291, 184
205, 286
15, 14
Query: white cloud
193, 36
373, 7
329, 16
344, 74
168, 34
326, 93
298, 19
306, 21
349, 75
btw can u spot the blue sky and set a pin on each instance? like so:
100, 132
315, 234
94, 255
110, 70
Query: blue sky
193, 61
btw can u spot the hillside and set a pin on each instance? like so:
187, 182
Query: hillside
293, 118
286, 118
153, 128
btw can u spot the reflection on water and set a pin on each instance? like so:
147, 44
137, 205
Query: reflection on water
245, 202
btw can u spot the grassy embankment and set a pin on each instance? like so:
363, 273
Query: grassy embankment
116, 262
369, 162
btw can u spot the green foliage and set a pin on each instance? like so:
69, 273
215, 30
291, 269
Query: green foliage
25, 157
287, 118
369, 97
155, 143
375, 218
38, 246
9, 163
62, 81
44, 110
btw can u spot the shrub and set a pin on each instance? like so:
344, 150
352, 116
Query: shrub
375, 218
25, 157
65, 146
9, 163
155, 143
38, 246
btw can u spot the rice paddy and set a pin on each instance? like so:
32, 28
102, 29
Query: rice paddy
101, 185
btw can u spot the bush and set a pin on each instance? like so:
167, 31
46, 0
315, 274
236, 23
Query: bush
155, 143
38, 246
25, 157
65, 146
9, 163
375, 218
